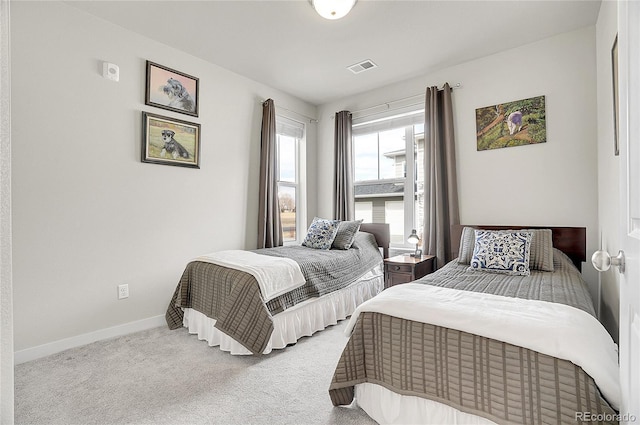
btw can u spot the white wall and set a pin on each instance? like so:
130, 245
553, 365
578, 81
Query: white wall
6, 286
608, 165
88, 214
546, 184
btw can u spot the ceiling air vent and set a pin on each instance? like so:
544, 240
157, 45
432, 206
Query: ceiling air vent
362, 66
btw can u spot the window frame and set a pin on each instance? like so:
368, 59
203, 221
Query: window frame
410, 194
297, 184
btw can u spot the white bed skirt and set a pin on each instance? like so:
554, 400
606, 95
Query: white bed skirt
386, 407
301, 320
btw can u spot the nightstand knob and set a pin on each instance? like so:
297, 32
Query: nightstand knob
397, 268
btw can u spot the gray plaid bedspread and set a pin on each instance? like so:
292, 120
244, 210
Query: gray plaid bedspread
564, 285
233, 297
501, 382
325, 271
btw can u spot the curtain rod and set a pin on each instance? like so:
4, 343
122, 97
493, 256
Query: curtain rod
388, 104
311, 120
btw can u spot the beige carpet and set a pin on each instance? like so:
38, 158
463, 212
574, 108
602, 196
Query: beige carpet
170, 377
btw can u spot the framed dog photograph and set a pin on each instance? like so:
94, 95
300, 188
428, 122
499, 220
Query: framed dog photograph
169, 141
172, 90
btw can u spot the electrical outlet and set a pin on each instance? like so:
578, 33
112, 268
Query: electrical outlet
123, 291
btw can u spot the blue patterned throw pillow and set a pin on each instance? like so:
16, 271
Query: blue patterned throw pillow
321, 233
502, 252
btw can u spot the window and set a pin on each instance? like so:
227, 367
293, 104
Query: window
389, 174
289, 133
364, 211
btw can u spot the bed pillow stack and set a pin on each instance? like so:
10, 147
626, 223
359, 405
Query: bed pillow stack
541, 249
502, 252
326, 234
321, 233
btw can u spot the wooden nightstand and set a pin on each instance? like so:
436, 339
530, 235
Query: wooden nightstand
404, 268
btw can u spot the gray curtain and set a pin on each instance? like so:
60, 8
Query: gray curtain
344, 203
269, 224
440, 182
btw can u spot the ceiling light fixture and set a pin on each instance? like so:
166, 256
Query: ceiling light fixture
332, 9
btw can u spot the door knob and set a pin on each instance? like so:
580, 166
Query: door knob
602, 261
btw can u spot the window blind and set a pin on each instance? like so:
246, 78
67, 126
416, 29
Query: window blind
382, 123
289, 127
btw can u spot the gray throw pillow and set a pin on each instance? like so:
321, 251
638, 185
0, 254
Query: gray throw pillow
346, 234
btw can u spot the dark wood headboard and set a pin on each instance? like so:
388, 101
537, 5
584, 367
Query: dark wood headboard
570, 240
382, 233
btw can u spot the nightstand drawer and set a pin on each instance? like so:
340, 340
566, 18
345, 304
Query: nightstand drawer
397, 278
404, 268
400, 268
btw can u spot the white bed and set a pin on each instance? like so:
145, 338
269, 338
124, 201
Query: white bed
223, 305
301, 320
581, 353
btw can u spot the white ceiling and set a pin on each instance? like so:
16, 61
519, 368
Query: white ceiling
286, 45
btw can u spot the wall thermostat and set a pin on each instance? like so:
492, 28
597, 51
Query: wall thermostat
110, 71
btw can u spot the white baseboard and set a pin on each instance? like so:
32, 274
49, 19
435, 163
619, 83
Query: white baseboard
54, 347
